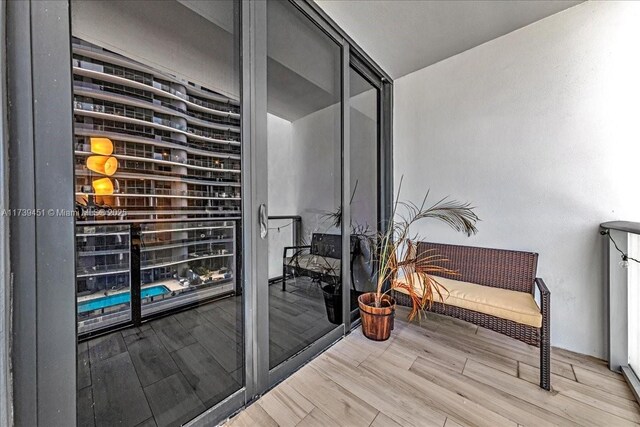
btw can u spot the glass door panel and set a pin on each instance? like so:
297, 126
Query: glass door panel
157, 179
364, 129
304, 124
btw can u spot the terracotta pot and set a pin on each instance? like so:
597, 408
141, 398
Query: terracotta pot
377, 323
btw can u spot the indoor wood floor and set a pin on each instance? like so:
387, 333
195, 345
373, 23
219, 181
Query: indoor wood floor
443, 372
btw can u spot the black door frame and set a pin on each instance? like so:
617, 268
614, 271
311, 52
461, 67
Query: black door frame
42, 244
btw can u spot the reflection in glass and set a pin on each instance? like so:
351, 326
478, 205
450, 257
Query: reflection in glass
363, 116
102, 262
186, 262
157, 181
305, 180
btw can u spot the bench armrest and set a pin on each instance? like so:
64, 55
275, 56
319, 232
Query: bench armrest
545, 298
544, 291
545, 334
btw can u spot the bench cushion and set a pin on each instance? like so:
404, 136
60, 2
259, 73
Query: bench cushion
519, 307
315, 263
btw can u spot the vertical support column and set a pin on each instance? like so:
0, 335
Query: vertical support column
346, 191
633, 301
254, 193
135, 237
178, 187
617, 294
54, 191
385, 154
6, 408
297, 231
23, 238
42, 244
238, 275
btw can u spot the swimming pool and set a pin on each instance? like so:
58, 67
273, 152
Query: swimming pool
121, 298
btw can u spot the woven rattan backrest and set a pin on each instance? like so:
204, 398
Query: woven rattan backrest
499, 268
330, 245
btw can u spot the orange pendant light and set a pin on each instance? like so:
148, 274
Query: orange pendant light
103, 164
102, 187
102, 146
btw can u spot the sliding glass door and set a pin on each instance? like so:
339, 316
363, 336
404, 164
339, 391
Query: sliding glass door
206, 168
157, 148
304, 175
364, 142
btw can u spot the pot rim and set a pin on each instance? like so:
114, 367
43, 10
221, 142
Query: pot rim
378, 311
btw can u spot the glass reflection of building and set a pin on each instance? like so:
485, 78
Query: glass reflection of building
178, 151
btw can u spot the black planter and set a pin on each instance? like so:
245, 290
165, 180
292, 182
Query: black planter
333, 302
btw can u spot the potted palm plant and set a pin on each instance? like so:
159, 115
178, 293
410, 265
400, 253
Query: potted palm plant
396, 258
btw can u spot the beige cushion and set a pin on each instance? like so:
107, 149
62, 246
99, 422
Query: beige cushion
519, 307
315, 263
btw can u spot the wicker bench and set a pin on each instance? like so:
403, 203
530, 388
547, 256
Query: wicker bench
320, 260
499, 270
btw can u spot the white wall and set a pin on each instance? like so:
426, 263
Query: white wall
363, 132
304, 161
538, 129
282, 201
316, 164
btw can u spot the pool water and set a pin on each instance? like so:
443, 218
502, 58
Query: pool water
121, 298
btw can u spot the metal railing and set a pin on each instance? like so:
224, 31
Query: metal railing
290, 224
124, 288
622, 263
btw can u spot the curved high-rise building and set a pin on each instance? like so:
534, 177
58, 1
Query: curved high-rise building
177, 146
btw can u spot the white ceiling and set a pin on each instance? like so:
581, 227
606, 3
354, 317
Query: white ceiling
403, 36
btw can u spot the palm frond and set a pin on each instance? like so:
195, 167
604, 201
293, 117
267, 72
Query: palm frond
335, 217
395, 252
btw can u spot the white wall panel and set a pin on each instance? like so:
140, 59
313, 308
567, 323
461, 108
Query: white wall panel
539, 130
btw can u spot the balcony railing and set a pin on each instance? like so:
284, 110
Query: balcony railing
107, 112
285, 230
164, 266
136, 154
622, 261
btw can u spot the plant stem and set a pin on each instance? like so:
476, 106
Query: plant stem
378, 301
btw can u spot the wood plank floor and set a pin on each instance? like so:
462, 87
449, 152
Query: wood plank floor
443, 372
169, 370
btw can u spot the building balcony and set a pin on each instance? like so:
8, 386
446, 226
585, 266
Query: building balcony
214, 177
169, 193
166, 160
220, 120
99, 112
126, 135
150, 246
201, 95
